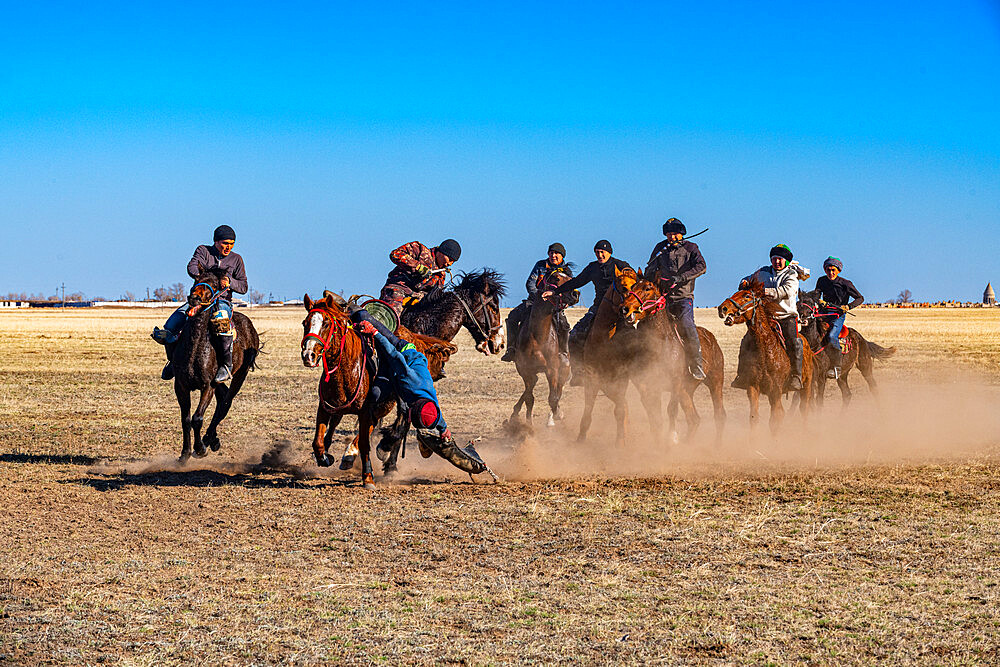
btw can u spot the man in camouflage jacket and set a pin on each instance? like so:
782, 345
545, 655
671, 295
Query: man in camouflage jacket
418, 270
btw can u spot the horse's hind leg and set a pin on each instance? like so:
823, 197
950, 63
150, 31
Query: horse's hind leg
845, 390
529, 396
589, 398
365, 427
184, 401
198, 418
715, 389
653, 402
555, 394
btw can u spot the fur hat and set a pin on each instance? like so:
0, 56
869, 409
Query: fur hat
559, 248
603, 245
450, 249
674, 226
833, 261
781, 250
224, 233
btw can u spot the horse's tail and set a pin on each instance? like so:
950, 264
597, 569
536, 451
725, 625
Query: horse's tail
878, 352
252, 353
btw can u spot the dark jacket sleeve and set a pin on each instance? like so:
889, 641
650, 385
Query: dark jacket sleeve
532, 283
852, 291
586, 276
238, 279
199, 260
694, 267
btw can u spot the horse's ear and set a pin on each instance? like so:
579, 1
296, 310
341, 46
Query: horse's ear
618, 272
328, 300
307, 301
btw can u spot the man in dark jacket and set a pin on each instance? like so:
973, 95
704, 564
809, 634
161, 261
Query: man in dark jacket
676, 263
839, 295
540, 273
601, 273
207, 257
419, 269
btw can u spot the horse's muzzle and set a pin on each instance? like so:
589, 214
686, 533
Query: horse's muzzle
309, 358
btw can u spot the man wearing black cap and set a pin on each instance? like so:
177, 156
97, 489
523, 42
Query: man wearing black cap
540, 273
418, 270
677, 263
601, 272
219, 255
781, 285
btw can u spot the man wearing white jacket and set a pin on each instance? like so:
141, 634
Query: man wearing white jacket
781, 284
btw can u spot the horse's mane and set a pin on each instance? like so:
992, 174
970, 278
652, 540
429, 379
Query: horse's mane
485, 281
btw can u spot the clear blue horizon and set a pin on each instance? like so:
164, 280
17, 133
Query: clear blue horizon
328, 134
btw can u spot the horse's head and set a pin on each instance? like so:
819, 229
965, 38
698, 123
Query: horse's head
480, 293
808, 307
206, 288
639, 296
739, 308
551, 282
318, 328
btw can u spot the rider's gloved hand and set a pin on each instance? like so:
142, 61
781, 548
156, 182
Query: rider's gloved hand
422, 270
667, 284
367, 328
844, 308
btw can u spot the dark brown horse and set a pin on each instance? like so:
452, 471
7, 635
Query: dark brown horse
856, 350
330, 338
194, 360
767, 364
537, 351
644, 306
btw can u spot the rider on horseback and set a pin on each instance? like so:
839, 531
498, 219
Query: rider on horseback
219, 255
781, 284
678, 263
419, 269
403, 369
601, 272
540, 273
838, 295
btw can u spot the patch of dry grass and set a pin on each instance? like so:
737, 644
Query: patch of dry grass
112, 554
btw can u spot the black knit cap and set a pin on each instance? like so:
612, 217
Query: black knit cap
603, 245
781, 250
450, 249
559, 248
674, 226
224, 233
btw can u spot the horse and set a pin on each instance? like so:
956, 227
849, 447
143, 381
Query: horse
768, 366
194, 360
644, 307
857, 351
474, 303
330, 338
538, 352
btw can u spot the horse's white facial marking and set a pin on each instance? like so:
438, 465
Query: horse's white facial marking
311, 347
315, 323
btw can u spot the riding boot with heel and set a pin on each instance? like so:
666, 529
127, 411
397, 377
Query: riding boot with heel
740, 381
513, 330
224, 356
833, 373
795, 381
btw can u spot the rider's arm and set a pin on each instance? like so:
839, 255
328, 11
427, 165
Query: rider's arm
532, 283
407, 255
199, 261
586, 276
787, 287
238, 276
852, 291
694, 267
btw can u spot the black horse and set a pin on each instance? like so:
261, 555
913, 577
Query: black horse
474, 303
814, 326
194, 360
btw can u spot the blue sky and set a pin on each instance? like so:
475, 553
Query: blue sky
328, 134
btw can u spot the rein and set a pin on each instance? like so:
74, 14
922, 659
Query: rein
472, 316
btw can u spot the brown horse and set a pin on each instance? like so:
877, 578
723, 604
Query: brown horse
329, 338
767, 364
194, 360
857, 351
644, 306
537, 351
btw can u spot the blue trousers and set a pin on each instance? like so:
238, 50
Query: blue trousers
683, 313
835, 329
179, 317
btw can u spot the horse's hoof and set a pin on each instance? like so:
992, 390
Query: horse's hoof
183, 458
213, 443
551, 422
369, 482
389, 469
324, 461
347, 462
200, 452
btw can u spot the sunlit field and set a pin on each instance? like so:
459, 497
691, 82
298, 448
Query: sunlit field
854, 535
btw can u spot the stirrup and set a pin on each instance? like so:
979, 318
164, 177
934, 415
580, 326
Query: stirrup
698, 373
509, 354
833, 373
224, 374
168, 372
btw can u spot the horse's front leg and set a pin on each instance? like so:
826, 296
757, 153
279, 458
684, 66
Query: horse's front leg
365, 427
198, 418
777, 411
184, 401
621, 414
325, 423
589, 398
555, 393
753, 396
653, 402
350, 452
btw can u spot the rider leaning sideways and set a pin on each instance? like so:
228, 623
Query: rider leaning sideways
419, 269
601, 273
677, 263
544, 269
839, 295
781, 285
219, 255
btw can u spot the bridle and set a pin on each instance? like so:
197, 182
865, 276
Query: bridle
479, 308
650, 306
327, 344
212, 297
748, 306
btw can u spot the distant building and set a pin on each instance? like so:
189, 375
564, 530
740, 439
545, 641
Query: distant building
989, 297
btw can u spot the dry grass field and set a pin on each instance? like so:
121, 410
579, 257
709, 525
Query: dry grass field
859, 535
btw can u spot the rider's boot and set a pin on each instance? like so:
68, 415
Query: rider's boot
833, 373
513, 328
795, 381
168, 371
741, 381
224, 356
692, 349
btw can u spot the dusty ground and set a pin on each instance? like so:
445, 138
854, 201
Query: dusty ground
860, 535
